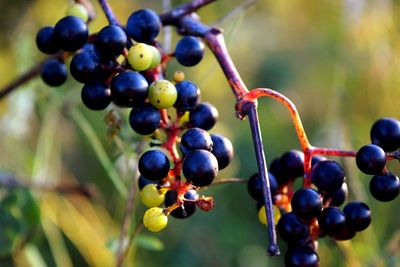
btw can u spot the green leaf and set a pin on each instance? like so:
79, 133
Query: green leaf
149, 242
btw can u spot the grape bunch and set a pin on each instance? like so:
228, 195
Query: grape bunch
125, 66
309, 213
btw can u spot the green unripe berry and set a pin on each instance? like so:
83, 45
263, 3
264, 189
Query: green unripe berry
151, 196
162, 94
156, 59
79, 11
262, 217
155, 220
140, 56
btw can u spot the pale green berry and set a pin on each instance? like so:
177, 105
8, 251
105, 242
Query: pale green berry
79, 11
162, 94
151, 196
155, 220
140, 56
156, 57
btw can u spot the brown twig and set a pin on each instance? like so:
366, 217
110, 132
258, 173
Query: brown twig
229, 181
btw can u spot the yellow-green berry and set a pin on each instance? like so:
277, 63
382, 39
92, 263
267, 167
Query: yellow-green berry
140, 56
155, 220
162, 94
151, 196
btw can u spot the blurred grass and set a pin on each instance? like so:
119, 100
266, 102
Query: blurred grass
337, 60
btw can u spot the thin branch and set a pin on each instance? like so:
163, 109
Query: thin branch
89, 7
105, 6
170, 17
229, 181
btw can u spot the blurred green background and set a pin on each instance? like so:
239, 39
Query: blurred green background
339, 62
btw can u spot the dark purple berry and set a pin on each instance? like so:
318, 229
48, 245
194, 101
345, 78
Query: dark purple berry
203, 116
337, 197
200, 167
384, 187
142, 182
71, 33
301, 256
292, 230
188, 96
254, 186
345, 234
46, 42
292, 163
306, 203
328, 175
95, 96
195, 138
386, 133
145, 119
188, 207
276, 169
129, 89
332, 220
54, 72
154, 165
189, 51
143, 25
316, 159
222, 150
110, 41
358, 215
84, 67
371, 159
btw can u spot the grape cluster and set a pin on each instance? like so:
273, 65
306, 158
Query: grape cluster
126, 66
314, 212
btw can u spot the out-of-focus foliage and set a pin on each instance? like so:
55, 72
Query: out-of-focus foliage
339, 61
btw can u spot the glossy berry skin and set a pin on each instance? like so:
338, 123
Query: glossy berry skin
200, 167
84, 67
162, 94
384, 187
110, 41
189, 51
328, 175
332, 220
95, 96
154, 219
292, 230
54, 72
140, 56
204, 116
337, 197
254, 186
276, 169
46, 42
306, 203
301, 256
292, 163
129, 89
358, 215
195, 138
188, 96
188, 207
145, 119
143, 25
222, 150
151, 196
386, 133
71, 33
371, 159
154, 165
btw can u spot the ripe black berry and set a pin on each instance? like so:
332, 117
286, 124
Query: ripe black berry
110, 41
154, 165
195, 138
95, 96
84, 67
358, 215
143, 25
188, 207
292, 163
222, 150
142, 182
386, 134
276, 169
301, 256
254, 186
188, 96
337, 197
46, 42
189, 51
71, 33
54, 72
328, 175
384, 187
144, 119
203, 116
332, 220
200, 167
129, 89
345, 234
371, 159
306, 203
292, 230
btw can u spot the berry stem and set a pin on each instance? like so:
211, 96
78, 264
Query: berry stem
263, 172
105, 6
170, 17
